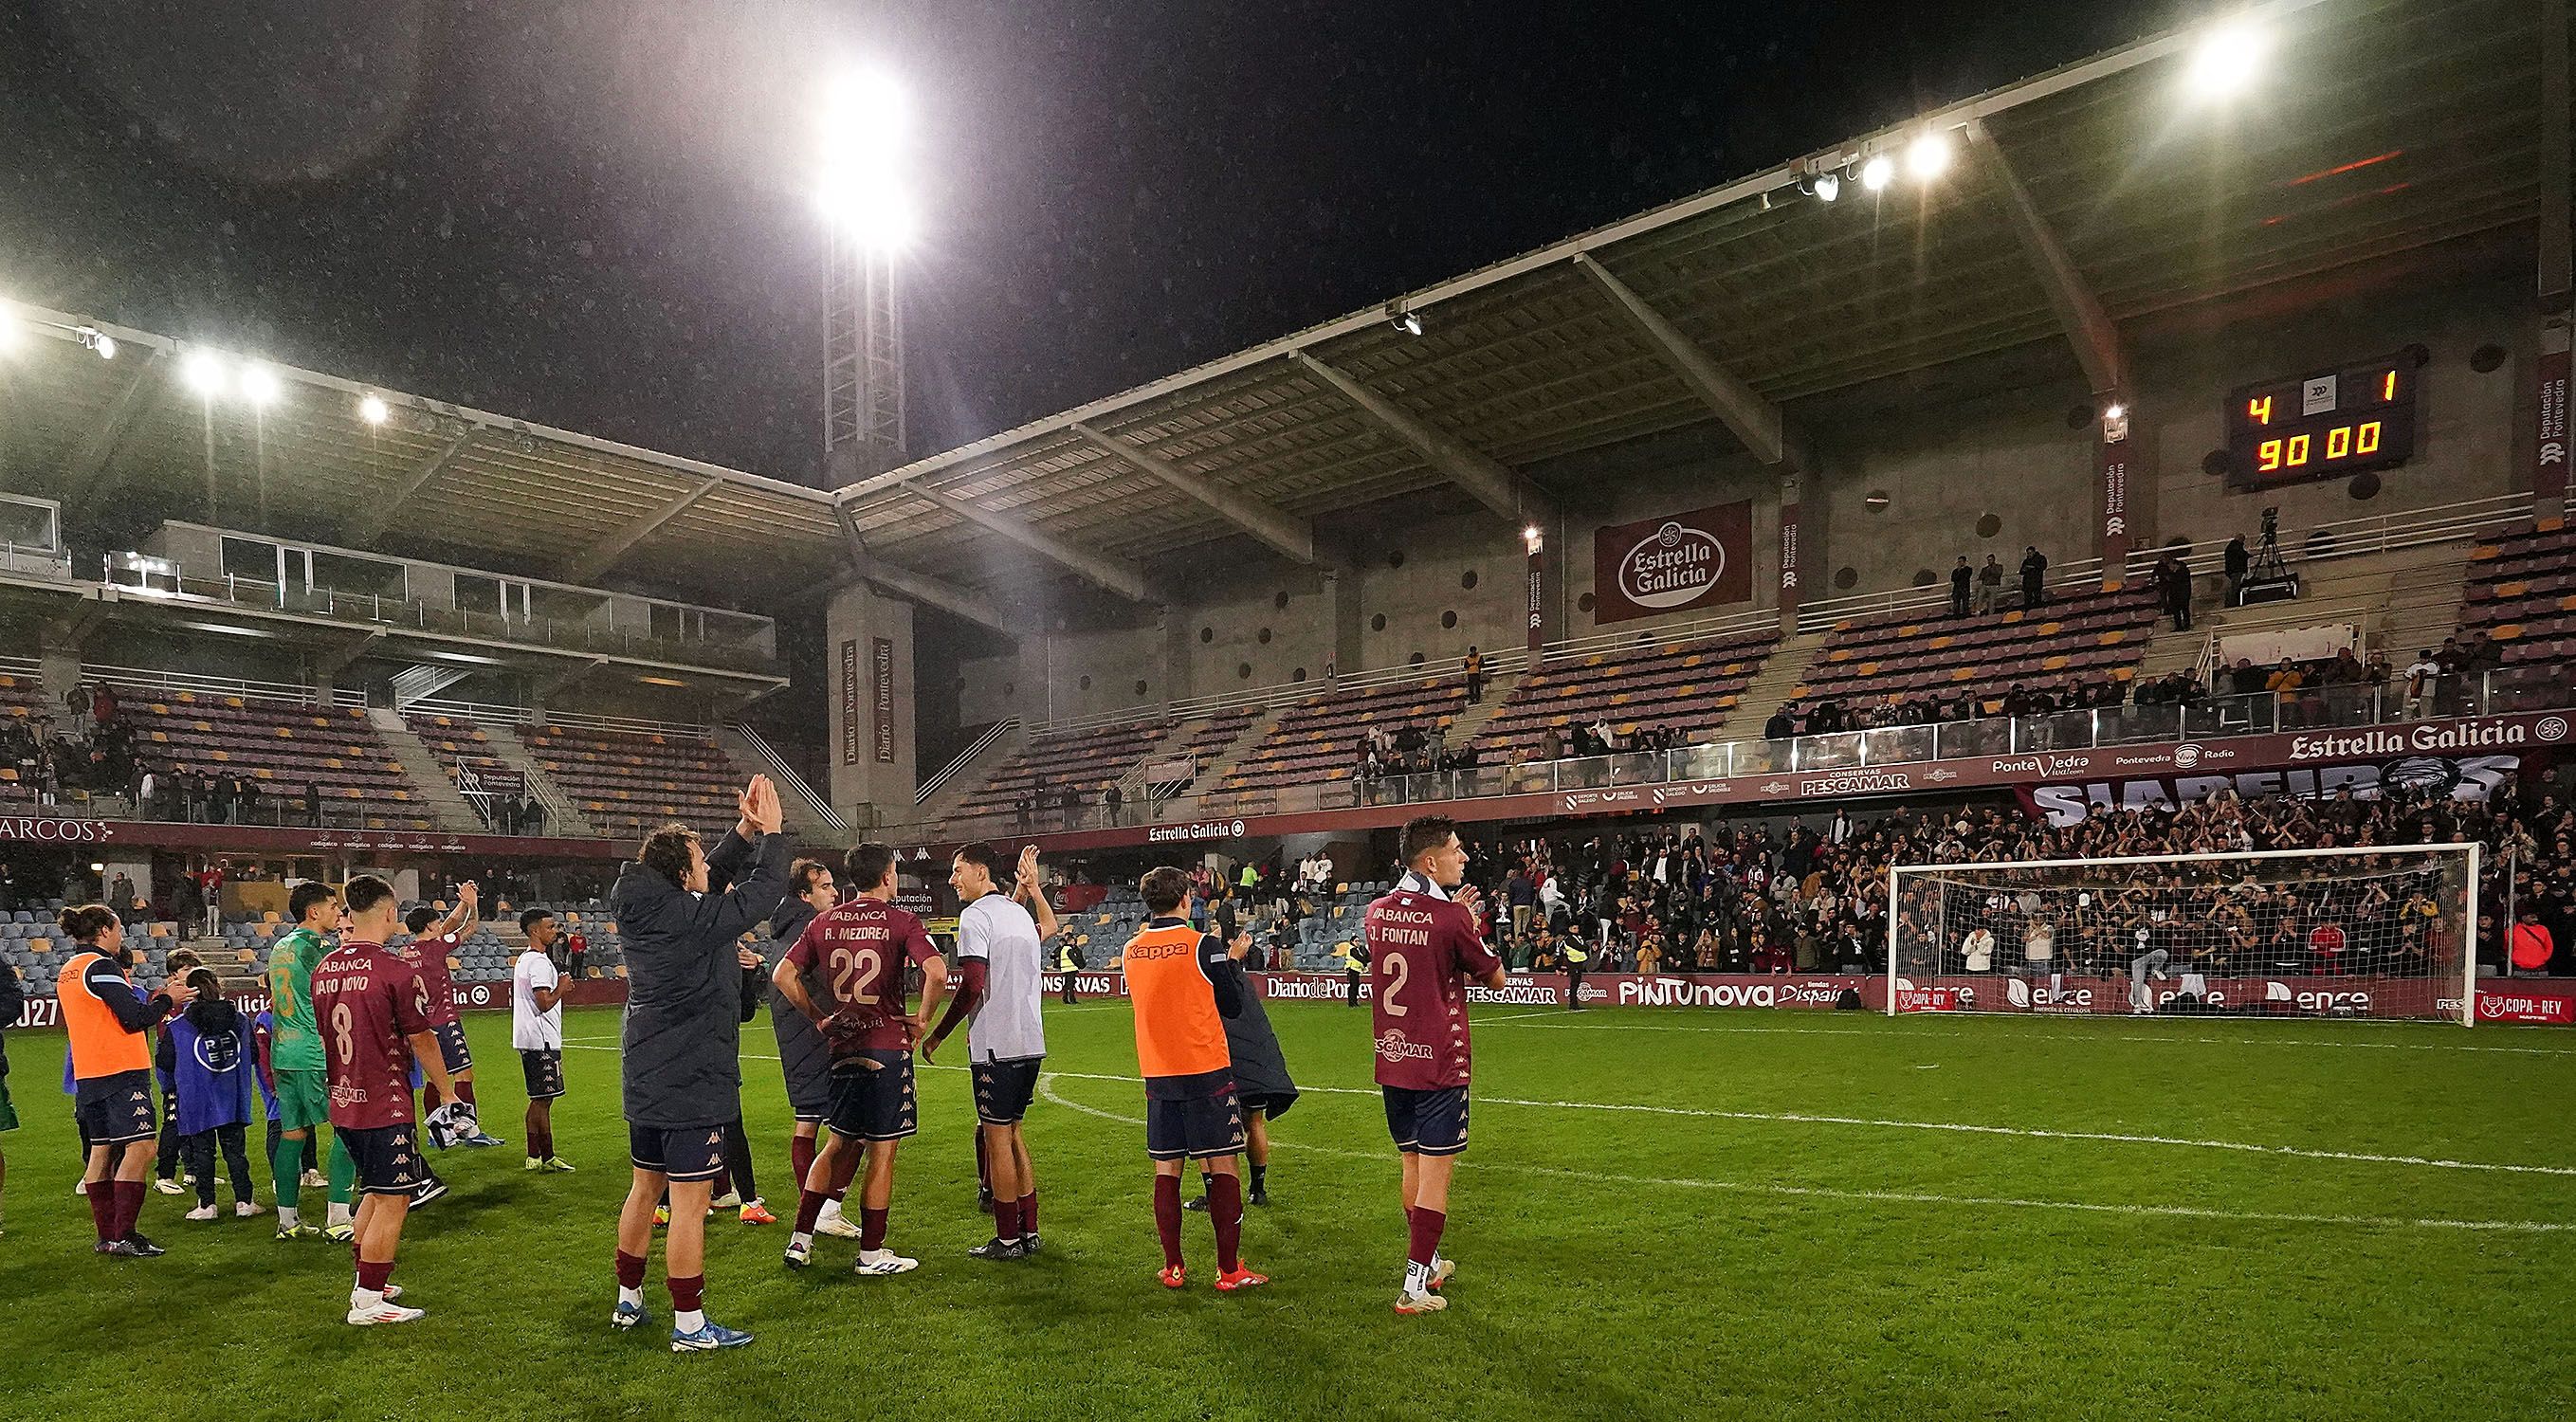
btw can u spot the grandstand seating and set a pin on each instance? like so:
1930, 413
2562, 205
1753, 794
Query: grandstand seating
2521, 591
629, 782
1083, 762
2088, 636
461, 746
31, 942
1684, 686
1318, 739
283, 747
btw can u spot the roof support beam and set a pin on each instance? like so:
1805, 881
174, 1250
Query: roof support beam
2079, 314
1491, 481
91, 475
1114, 574
608, 550
1292, 537
918, 587
1755, 420
371, 524
2555, 276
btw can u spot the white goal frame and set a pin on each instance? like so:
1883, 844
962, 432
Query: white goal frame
2469, 941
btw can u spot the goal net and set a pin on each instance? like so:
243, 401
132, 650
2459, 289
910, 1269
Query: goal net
2388, 931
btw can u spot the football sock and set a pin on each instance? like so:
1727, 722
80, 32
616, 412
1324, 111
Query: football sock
1207, 1183
344, 1179
372, 1275
630, 1278
738, 1161
872, 1228
1225, 1207
102, 1211
129, 1206
1029, 1213
688, 1296
430, 1100
1167, 1217
286, 1163
1006, 1219
465, 1092
1425, 1231
809, 1208
800, 1158
1260, 1177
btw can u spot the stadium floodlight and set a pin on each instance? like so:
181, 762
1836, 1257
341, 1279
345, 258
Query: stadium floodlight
373, 410
260, 385
1828, 187
863, 190
1533, 540
204, 372
2226, 60
94, 339
8, 330
2115, 413
1405, 320
1927, 157
1877, 172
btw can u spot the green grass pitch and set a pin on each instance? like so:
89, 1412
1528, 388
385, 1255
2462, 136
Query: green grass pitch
1663, 1214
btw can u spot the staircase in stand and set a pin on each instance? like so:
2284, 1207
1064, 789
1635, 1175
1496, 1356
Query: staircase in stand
564, 818
449, 810
2403, 601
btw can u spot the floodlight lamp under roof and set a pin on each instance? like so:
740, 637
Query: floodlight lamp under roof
1877, 172
373, 410
2227, 58
1927, 157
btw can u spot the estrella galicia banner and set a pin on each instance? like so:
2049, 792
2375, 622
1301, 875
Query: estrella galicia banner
1673, 563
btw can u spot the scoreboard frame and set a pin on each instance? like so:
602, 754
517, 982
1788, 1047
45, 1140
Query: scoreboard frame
2323, 425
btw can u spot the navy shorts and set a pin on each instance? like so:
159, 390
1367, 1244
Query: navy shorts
1193, 1127
387, 1157
116, 1109
543, 1070
809, 1094
874, 1105
681, 1153
1427, 1122
451, 1047
1003, 1090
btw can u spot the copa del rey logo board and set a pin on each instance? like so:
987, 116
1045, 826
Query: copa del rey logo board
1673, 562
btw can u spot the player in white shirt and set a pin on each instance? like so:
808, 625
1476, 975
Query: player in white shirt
536, 1029
999, 955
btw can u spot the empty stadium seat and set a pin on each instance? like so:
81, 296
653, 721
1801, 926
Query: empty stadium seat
2086, 637
284, 747
1317, 740
2521, 591
627, 782
1689, 687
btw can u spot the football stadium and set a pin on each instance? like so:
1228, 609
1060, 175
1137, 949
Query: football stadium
1962, 740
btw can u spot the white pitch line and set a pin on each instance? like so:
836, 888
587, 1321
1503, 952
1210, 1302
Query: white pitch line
2107, 1036
1047, 1089
1801, 1118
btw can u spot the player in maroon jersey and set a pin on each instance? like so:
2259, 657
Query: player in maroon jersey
433, 940
858, 950
1426, 943
374, 1009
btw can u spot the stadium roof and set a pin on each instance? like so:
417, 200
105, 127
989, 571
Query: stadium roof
2076, 200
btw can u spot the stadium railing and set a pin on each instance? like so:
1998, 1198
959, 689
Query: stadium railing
2256, 713
30, 559
938, 780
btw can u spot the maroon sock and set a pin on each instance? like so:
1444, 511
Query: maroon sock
465, 1091
689, 1294
544, 1136
1225, 1206
1167, 1217
429, 1097
809, 1208
630, 1270
102, 1211
129, 1206
372, 1274
872, 1225
1426, 1227
1029, 1212
1006, 1219
800, 1158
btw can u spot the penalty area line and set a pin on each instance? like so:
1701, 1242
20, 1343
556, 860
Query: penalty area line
1046, 1088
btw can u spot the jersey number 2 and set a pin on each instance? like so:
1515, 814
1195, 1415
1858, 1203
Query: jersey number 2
1395, 969
855, 970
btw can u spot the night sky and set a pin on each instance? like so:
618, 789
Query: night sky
599, 215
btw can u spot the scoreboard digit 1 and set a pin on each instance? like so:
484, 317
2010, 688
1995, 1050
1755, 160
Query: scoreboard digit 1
2324, 425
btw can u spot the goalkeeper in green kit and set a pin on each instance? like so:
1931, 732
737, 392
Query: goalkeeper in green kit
295, 1046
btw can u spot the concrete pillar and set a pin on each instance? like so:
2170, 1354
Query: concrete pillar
1179, 684
868, 643
58, 667
1342, 601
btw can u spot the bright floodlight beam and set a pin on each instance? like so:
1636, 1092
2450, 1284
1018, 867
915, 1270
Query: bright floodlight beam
373, 410
1927, 157
1877, 172
1828, 187
863, 192
260, 385
204, 372
2227, 58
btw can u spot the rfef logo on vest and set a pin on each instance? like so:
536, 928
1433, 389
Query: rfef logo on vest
1677, 561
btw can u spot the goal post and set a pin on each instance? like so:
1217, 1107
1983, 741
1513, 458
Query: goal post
2380, 931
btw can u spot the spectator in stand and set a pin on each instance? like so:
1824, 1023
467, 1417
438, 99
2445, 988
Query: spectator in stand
2533, 946
1990, 584
2238, 562
2034, 576
2173, 589
532, 815
1475, 676
1962, 578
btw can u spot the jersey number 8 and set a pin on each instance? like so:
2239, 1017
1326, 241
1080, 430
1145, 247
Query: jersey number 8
342, 1038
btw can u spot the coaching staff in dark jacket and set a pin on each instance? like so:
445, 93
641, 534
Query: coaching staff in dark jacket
682, 1041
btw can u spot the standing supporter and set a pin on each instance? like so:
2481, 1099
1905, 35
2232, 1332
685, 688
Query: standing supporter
681, 1062
803, 1056
1426, 942
998, 952
378, 1012
1990, 583
1961, 577
1181, 992
212, 1078
536, 1032
2034, 577
860, 950
1475, 669
111, 1066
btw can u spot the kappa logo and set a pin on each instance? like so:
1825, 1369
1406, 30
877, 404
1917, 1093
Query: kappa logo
1393, 1045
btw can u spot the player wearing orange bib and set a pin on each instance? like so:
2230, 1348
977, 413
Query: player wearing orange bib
1177, 983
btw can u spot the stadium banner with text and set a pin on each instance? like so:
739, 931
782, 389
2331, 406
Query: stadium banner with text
881, 688
292, 839
2273, 764
2548, 1003
850, 701
2465, 777
1674, 563
2550, 435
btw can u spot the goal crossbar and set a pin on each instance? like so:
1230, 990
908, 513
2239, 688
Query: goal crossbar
2469, 850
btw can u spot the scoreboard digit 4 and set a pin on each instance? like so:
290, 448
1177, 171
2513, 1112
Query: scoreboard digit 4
2324, 425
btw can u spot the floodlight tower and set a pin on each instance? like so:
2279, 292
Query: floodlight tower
868, 218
